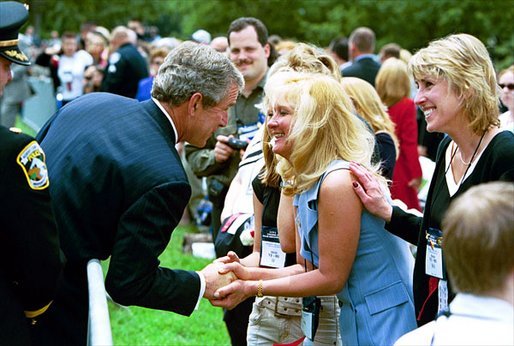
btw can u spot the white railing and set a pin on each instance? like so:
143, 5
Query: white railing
99, 325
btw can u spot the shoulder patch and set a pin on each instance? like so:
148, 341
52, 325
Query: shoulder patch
15, 130
32, 161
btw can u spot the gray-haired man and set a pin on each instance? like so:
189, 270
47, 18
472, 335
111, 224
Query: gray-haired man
119, 188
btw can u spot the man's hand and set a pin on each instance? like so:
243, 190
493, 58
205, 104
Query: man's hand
222, 151
214, 280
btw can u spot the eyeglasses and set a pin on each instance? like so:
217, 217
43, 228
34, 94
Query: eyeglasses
509, 86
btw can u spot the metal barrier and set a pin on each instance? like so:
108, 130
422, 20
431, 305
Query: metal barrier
99, 325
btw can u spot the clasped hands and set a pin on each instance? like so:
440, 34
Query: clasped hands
225, 282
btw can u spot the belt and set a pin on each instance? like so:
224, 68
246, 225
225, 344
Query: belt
281, 306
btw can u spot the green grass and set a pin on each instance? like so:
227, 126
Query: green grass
24, 127
140, 326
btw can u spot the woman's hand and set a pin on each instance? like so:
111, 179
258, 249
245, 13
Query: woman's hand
229, 258
237, 268
230, 296
370, 192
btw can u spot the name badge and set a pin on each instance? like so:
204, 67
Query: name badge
271, 253
310, 316
434, 258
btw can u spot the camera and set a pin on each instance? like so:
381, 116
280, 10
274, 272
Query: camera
235, 143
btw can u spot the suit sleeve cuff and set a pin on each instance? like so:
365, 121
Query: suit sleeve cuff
202, 289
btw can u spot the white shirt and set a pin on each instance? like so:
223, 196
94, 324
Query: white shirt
474, 320
71, 73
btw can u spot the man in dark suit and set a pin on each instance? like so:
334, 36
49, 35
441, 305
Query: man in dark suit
29, 245
120, 188
361, 47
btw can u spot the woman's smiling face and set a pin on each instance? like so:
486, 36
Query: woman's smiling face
280, 116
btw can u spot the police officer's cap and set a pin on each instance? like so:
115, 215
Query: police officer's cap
12, 16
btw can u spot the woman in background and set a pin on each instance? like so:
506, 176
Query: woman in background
393, 87
459, 97
367, 104
506, 82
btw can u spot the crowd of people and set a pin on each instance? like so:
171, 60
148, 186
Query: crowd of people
311, 163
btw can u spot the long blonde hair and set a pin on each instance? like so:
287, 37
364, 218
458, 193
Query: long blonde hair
302, 58
323, 127
367, 103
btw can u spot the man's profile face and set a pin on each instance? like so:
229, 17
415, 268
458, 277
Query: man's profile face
249, 56
5, 74
208, 120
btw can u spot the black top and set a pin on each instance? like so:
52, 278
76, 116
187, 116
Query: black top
387, 153
30, 262
496, 163
270, 199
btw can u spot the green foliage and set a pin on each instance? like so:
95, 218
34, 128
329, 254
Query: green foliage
410, 23
139, 326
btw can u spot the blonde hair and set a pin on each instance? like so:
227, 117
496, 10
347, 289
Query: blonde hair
478, 241
303, 58
367, 104
323, 127
463, 61
392, 82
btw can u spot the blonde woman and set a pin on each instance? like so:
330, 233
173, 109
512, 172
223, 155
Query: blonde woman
276, 319
341, 248
393, 87
458, 94
367, 104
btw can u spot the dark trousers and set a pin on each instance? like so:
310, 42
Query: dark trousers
65, 322
236, 321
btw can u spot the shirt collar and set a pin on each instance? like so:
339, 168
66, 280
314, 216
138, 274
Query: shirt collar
486, 307
170, 119
364, 56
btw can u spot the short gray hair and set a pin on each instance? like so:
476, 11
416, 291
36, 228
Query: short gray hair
192, 68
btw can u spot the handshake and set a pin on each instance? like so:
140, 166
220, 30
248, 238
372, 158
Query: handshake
223, 287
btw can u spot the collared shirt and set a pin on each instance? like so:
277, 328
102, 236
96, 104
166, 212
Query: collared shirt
202, 278
364, 56
167, 116
473, 320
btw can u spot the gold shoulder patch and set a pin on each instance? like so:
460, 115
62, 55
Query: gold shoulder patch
32, 161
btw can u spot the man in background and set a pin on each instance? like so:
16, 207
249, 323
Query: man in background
360, 50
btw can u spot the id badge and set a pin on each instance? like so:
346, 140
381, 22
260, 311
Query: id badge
434, 257
271, 254
310, 316
307, 323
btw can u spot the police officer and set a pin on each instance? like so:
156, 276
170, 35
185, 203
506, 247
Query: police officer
29, 248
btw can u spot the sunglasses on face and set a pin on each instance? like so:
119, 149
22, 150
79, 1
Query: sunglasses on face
509, 86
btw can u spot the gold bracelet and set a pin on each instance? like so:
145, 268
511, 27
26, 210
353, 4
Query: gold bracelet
259, 289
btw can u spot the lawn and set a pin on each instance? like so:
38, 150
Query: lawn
140, 326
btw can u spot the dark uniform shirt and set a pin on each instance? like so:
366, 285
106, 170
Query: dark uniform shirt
126, 68
29, 256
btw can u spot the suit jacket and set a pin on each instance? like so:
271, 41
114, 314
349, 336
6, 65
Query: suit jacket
29, 255
365, 68
119, 190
